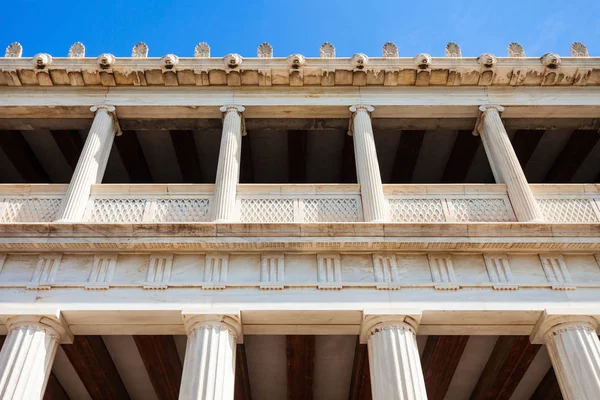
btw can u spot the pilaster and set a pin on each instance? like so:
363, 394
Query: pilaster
228, 168
505, 164
367, 165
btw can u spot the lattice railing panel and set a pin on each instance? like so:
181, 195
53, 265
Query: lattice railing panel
30, 210
331, 210
266, 210
417, 210
181, 210
568, 210
481, 210
117, 210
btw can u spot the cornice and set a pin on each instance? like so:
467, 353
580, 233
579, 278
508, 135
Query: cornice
300, 237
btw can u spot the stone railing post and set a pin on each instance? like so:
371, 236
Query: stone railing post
27, 356
394, 361
367, 165
228, 169
505, 164
91, 165
209, 366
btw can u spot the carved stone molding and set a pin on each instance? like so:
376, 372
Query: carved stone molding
193, 320
327, 50
41, 60
488, 60
453, 50
169, 61
359, 61
106, 60
423, 61
265, 50
77, 50
232, 60
140, 50
551, 60
389, 50
375, 321
14, 50
57, 327
202, 50
296, 61
578, 49
515, 50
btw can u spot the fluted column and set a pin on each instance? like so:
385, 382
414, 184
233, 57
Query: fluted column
91, 165
27, 356
394, 361
228, 169
209, 365
574, 350
505, 164
367, 165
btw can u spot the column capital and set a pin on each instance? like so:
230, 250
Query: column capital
232, 108
56, 328
103, 107
361, 107
230, 322
374, 323
112, 111
551, 323
485, 107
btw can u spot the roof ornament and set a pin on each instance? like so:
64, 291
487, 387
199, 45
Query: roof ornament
265, 50
14, 50
487, 60
296, 61
515, 50
423, 61
232, 60
106, 60
389, 50
578, 49
169, 61
140, 50
359, 61
327, 50
453, 50
202, 50
41, 60
551, 60
77, 50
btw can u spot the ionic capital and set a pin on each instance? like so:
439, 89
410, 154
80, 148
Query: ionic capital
551, 324
55, 328
483, 110
110, 110
377, 323
232, 108
361, 107
229, 322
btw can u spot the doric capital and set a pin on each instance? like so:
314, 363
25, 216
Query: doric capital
56, 328
551, 324
361, 107
229, 322
373, 323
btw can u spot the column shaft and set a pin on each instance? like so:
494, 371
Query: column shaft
505, 165
367, 165
209, 365
395, 366
228, 169
574, 350
26, 361
91, 165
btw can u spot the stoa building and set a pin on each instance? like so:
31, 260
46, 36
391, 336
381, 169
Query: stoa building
300, 227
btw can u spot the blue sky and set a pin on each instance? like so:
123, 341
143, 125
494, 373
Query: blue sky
300, 26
